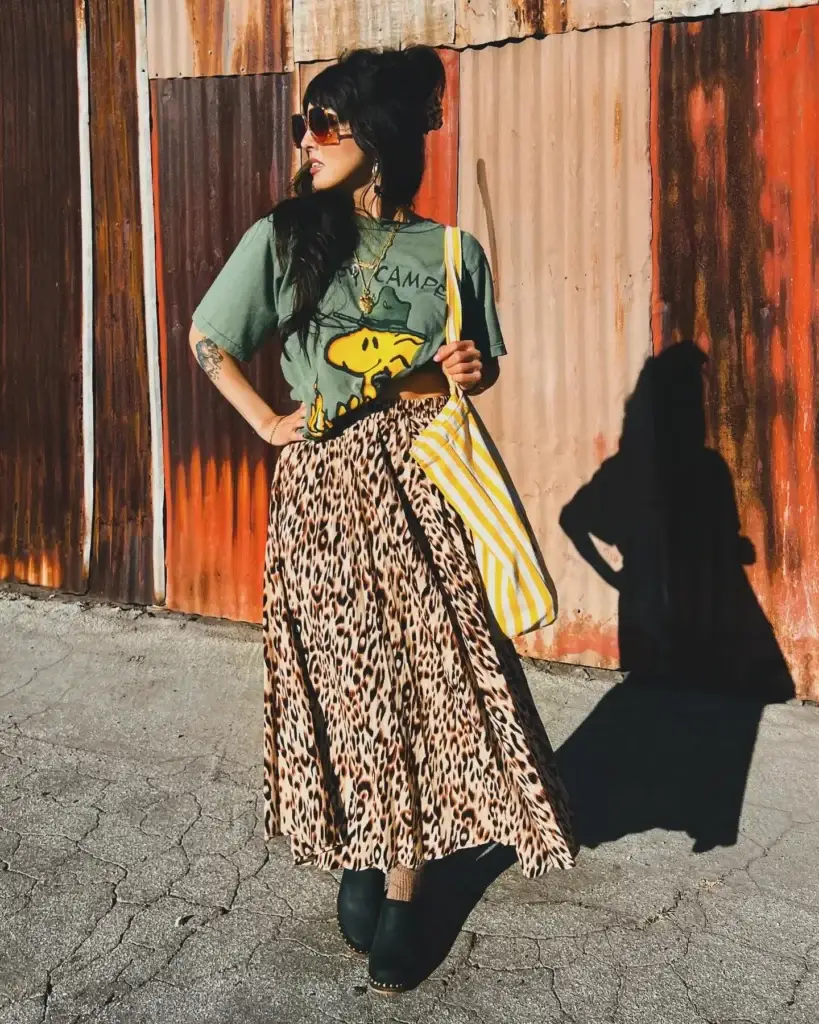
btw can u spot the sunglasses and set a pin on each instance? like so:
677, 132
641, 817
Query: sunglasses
322, 124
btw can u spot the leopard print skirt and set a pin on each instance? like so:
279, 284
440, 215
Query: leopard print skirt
398, 723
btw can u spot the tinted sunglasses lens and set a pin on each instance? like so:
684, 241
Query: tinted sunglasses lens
299, 128
323, 127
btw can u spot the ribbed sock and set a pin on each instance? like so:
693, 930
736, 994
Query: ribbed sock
402, 883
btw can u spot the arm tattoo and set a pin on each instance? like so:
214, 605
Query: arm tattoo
209, 356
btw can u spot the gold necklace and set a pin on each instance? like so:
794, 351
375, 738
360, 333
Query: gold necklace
366, 301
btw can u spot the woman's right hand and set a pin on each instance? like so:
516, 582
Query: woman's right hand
283, 430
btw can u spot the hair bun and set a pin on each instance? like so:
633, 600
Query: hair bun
417, 74
434, 111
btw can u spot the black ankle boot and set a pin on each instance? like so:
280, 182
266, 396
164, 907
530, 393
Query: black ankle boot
396, 948
360, 896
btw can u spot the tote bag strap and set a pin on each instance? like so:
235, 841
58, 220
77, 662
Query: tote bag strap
453, 262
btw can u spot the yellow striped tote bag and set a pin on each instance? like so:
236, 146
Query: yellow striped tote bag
457, 456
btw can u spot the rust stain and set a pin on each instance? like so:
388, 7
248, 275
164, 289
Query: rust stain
277, 33
248, 49
540, 17
42, 568
41, 441
219, 37
735, 158
579, 638
207, 21
619, 318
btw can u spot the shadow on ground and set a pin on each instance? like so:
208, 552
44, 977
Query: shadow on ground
453, 887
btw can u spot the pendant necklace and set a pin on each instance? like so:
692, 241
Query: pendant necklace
366, 301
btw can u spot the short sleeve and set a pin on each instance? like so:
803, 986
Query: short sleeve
238, 311
480, 315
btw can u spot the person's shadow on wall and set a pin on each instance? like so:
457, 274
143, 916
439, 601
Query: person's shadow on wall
671, 746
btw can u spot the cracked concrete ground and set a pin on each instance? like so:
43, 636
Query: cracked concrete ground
135, 885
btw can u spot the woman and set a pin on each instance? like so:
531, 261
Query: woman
398, 725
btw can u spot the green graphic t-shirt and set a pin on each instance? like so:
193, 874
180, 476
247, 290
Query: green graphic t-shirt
351, 354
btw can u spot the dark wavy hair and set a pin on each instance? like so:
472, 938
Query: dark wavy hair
385, 97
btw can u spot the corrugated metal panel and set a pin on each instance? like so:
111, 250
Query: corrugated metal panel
322, 29
735, 149
666, 9
554, 180
600, 13
218, 37
487, 21
121, 558
41, 295
219, 162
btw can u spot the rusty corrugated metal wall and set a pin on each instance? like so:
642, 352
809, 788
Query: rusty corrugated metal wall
489, 21
735, 149
222, 156
667, 9
121, 553
218, 37
322, 29
42, 525
554, 180
547, 155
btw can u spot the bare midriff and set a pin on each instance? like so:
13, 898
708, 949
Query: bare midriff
424, 383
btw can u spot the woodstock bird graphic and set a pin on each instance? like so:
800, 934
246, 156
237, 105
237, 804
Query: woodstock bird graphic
379, 348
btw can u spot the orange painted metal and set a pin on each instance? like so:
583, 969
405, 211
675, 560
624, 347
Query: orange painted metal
221, 156
735, 156
121, 553
41, 447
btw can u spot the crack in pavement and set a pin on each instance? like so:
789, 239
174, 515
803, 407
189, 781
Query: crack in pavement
46, 998
35, 673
